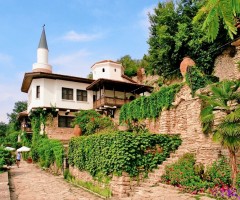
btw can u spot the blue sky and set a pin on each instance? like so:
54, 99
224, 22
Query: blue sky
79, 33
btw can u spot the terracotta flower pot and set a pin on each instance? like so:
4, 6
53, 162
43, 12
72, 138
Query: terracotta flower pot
186, 62
77, 130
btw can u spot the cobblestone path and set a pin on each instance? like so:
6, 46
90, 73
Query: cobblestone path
28, 182
31, 183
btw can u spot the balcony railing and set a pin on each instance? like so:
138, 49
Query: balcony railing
27, 129
110, 101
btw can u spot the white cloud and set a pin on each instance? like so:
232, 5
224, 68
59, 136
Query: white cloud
80, 37
76, 64
144, 21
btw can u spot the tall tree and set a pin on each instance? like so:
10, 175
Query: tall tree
18, 107
131, 65
3, 130
173, 36
224, 97
215, 12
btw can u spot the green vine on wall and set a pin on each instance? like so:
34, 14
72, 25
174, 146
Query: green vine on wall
117, 152
196, 79
151, 106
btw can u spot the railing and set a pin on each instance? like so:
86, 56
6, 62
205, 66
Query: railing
27, 129
109, 101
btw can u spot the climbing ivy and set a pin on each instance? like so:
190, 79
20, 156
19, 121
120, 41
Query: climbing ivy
196, 79
151, 106
44, 150
120, 151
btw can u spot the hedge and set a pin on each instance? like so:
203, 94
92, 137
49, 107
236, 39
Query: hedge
120, 151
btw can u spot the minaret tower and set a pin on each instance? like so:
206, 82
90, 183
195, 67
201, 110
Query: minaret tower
42, 56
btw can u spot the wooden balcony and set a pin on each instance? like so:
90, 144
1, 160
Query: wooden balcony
27, 129
109, 101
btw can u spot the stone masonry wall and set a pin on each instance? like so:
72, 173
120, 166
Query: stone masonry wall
227, 67
60, 133
121, 186
184, 119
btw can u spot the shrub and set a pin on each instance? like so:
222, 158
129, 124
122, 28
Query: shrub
120, 151
196, 79
91, 121
5, 158
182, 174
48, 151
219, 173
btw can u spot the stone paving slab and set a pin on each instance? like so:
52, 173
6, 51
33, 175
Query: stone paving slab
29, 182
4, 186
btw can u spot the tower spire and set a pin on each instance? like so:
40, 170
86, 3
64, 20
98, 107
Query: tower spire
42, 55
43, 40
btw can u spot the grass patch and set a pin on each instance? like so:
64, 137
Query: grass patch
102, 191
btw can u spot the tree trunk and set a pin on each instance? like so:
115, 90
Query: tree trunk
233, 163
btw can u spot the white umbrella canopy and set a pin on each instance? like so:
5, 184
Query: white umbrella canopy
9, 148
23, 149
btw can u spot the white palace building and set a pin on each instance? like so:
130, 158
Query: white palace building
106, 92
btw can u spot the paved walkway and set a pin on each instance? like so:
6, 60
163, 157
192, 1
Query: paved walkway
28, 182
31, 183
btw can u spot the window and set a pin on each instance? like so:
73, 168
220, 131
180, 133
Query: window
38, 91
103, 70
65, 121
115, 70
81, 95
67, 93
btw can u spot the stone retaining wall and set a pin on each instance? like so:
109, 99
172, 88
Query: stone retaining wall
121, 186
226, 66
184, 119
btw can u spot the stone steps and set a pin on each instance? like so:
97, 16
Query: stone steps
154, 177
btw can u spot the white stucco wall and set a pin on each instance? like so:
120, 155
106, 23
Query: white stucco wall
112, 71
51, 94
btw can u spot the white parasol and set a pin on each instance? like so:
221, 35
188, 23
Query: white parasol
9, 148
23, 149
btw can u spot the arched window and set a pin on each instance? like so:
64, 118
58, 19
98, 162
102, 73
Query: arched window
103, 70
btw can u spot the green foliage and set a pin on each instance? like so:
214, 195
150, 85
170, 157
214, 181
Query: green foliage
18, 107
185, 173
151, 106
11, 139
91, 121
117, 152
3, 131
26, 139
215, 12
131, 65
5, 158
173, 36
103, 191
224, 97
219, 172
196, 79
182, 173
48, 151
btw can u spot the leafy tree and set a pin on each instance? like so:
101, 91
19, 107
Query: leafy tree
214, 12
132, 65
224, 97
18, 107
173, 36
3, 130
91, 122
